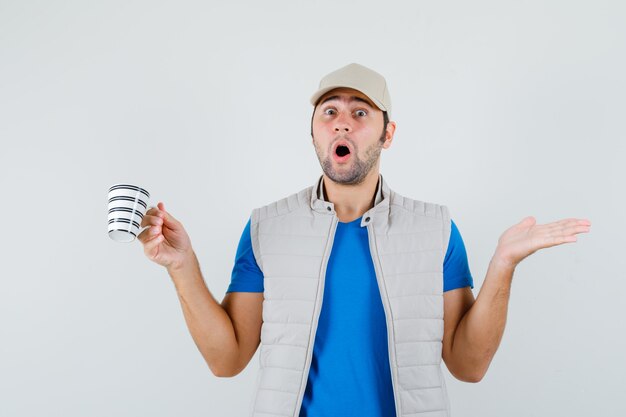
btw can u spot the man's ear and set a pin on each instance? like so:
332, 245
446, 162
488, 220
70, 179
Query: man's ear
312, 116
389, 132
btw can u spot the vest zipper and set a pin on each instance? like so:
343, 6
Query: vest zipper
388, 318
316, 313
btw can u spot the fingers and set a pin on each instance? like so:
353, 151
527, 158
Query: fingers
564, 224
152, 237
158, 219
154, 220
565, 231
154, 211
169, 220
151, 220
150, 233
151, 247
555, 233
553, 240
569, 226
570, 222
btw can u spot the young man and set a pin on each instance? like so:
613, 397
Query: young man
355, 292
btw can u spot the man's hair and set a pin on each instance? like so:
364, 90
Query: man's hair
385, 121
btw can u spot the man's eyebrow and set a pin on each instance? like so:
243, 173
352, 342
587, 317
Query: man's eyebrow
362, 100
329, 99
355, 98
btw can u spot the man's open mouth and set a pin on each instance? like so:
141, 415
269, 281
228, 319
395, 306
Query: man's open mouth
342, 150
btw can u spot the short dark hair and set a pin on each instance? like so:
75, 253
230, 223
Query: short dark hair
385, 120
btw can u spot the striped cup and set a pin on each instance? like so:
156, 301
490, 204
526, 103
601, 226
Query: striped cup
127, 206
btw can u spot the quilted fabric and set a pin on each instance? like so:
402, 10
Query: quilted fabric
292, 240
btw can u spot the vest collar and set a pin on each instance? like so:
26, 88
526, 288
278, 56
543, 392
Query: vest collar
381, 203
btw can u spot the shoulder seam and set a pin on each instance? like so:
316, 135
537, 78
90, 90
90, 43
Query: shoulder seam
438, 207
263, 211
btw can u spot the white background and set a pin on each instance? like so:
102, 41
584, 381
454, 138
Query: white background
504, 109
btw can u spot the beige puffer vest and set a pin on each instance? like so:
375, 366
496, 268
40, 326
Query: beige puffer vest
292, 240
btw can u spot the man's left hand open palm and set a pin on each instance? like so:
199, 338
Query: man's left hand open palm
527, 237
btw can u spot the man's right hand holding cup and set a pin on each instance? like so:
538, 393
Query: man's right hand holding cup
165, 242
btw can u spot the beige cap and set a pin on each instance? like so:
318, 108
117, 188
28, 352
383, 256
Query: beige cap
361, 78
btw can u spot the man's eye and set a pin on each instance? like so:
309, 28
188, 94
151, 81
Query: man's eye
361, 113
329, 111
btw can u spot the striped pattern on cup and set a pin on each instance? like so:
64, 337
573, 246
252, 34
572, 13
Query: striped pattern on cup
127, 205
129, 187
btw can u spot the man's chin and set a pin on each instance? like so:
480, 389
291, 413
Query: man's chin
344, 174
344, 179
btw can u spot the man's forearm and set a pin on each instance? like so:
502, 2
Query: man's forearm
480, 330
209, 324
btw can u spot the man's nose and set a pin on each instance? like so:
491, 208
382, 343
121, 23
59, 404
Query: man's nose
342, 124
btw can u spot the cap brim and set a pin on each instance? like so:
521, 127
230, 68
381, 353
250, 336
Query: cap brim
319, 93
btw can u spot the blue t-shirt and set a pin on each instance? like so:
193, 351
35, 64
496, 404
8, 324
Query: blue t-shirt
350, 374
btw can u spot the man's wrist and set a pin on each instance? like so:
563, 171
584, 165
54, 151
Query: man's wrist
501, 261
502, 270
187, 262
